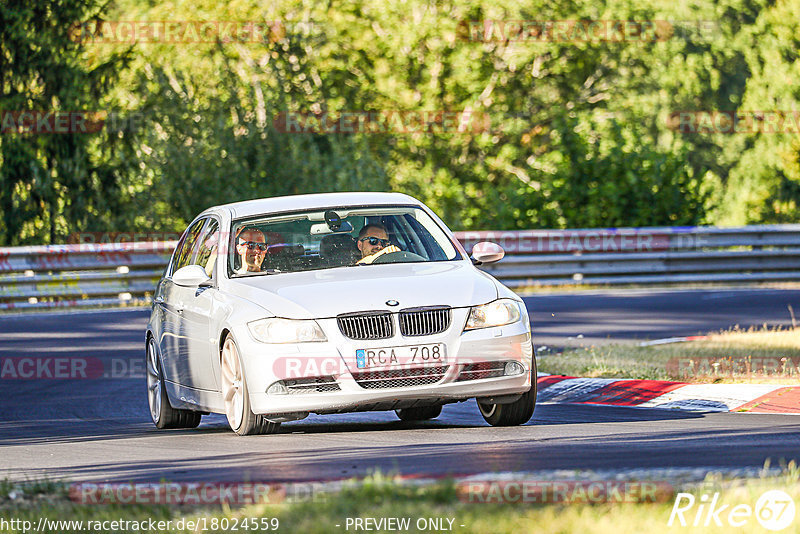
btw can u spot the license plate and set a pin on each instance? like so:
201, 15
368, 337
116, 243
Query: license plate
409, 356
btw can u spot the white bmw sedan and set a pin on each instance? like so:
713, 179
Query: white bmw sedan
276, 308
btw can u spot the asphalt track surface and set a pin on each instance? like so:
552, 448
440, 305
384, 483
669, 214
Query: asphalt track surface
99, 429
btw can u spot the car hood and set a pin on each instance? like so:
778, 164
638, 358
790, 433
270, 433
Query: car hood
330, 292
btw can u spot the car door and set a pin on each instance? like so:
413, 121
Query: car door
197, 345
169, 298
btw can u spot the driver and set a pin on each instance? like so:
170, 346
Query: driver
373, 242
251, 245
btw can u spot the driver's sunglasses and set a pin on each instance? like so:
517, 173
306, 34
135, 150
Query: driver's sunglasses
252, 245
376, 241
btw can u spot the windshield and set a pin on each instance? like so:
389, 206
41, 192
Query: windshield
337, 237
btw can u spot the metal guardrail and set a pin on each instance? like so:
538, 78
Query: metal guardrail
68, 276
628, 256
65, 276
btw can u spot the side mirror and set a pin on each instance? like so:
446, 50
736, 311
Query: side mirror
486, 252
190, 276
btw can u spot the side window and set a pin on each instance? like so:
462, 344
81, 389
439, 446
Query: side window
207, 249
183, 256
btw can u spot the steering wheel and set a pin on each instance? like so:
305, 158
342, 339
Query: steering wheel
399, 257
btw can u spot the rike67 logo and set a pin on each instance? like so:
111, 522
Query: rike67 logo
774, 510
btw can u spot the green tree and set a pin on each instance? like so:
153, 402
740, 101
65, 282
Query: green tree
209, 147
580, 131
54, 184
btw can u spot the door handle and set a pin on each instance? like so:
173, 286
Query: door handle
179, 310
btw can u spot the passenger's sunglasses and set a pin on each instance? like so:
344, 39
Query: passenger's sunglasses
376, 241
252, 245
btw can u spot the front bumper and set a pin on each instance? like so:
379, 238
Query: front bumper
335, 359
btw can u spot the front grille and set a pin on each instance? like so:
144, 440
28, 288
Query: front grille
366, 325
400, 378
320, 384
424, 321
478, 371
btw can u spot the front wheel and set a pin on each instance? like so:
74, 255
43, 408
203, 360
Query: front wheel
237, 399
162, 413
518, 412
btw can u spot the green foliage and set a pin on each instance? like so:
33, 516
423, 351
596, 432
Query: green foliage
765, 180
54, 184
580, 130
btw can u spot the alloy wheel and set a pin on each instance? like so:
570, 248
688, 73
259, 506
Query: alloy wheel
153, 381
232, 384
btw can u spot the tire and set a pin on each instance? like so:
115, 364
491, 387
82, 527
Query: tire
514, 414
161, 411
236, 396
419, 414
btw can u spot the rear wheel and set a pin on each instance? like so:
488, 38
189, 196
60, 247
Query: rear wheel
419, 414
518, 412
237, 399
162, 413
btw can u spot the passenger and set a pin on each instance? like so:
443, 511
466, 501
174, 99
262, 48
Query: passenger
251, 245
373, 242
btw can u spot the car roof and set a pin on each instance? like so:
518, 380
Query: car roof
260, 206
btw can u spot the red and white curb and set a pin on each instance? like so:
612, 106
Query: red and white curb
753, 398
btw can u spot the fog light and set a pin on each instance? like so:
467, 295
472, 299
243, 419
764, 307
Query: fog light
514, 368
278, 388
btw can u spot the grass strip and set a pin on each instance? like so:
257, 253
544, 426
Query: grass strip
733, 356
441, 506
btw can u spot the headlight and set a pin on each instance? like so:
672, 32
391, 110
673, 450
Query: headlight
276, 330
497, 313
